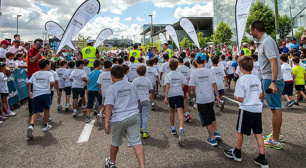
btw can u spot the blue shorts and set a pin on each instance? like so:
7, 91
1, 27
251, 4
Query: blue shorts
288, 89
274, 101
221, 92
41, 102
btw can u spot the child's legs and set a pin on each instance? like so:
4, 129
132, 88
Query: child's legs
287, 98
59, 97
260, 143
4, 104
210, 131
172, 116
91, 97
207, 116
75, 96
181, 116
113, 153
214, 126
239, 140
145, 115
46, 116
302, 94
34, 118
139, 152
297, 96
185, 106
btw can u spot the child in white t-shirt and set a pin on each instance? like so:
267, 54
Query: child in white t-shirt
230, 71
186, 72
20, 62
10, 61
287, 75
132, 67
174, 96
141, 61
203, 83
68, 83
157, 67
126, 70
43, 82
78, 77
248, 91
220, 78
126, 60
152, 75
145, 90
164, 70
104, 82
122, 106
61, 82
255, 65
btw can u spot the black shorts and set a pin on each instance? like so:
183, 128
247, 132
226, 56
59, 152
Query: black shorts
230, 77
236, 78
206, 113
67, 90
4, 95
177, 100
52, 93
288, 89
297, 88
85, 87
91, 98
61, 89
76, 92
248, 121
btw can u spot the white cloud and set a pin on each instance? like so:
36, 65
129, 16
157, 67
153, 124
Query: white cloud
195, 11
140, 19
154, 14
128, 19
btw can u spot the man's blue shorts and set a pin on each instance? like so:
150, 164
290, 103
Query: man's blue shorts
274, 101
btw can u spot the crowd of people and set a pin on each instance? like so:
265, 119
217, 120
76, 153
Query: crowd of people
121, 88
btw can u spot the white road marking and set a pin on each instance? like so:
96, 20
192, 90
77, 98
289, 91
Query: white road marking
84, 137
232, 100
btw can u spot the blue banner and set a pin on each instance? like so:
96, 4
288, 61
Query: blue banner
20, 83
13, 97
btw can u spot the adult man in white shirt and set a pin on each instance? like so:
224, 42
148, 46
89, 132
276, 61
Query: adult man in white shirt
16, 48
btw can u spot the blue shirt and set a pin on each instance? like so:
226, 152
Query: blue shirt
297, 46
150, 54
235, 64
93, 78
285, 50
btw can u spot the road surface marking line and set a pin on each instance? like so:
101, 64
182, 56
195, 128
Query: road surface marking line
84, 137
232, 100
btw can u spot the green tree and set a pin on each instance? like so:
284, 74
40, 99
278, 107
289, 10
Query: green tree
223, 33
299, 32
285, 26
157, 45
245, 39
215, 40
185, 43
82, 41
202, 40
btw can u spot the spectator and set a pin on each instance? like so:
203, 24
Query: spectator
4, 45
16, 37
294, 44
16, 48
285, 50
303, 43
288, 44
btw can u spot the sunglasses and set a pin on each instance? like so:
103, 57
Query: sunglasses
40, 43
17, 43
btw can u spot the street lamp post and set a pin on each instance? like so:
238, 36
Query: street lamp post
151, 29
17, 22
291, 22
134, 38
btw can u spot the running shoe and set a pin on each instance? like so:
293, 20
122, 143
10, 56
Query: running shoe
11, 114
280, 138
100, 117
181, 137
222, 103
67, 107
212, 142
75, 113
46, 128
141, 130
30, 132
290, 104
88, 119
59, 107
173, 130
230, 154
187, 118
96, 112
1, 122
49, 119
262, 162
271, 144
145, 135
109, 164
2, 118
153, 107
296, 103
195, 106
217, 135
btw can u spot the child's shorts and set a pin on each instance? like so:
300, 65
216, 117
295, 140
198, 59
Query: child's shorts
230, 77
297, 88
4, 95
288, 89
68, 91
41, 102
221, 92
248, 121
78, 91
129, 127
177, 101
236, 78
91, 98
206, 113
61, 89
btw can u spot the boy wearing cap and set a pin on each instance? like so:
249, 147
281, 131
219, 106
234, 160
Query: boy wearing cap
294, 44
203, 83
285, 49
4, 45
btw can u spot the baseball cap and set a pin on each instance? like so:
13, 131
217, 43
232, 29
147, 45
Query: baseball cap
5, 42
89, 41
293, 39
63, 49
201, 56
283, 42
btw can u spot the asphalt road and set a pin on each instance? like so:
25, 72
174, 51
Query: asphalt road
59, 147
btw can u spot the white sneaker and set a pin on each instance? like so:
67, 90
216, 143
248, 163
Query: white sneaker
11, 114
67, 107
195, 106
222, 103
46, 128
1, 122
30, 132
75, 113
49, 119
59, 107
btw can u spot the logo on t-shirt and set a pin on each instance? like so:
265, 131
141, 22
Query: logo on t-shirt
124, 92
254, 87
88, 51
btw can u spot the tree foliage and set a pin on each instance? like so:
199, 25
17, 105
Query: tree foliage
284, 25
202, 40
185, 43
82, 41
223, 33
299, 32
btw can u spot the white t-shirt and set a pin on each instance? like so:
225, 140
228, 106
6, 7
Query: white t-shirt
126, 63
157, 68
125, 78
208, 66
249, 88
55, 76
19, 63
255, 69
176, 80
11, 63
202, 79
105, 80
230, 69
185, 71
124, 97
151, 75
87, 71
2, 52
220, 65
238, 72
66, 75
3, 83
77, 76
60, 72
224, 64
164, 69
143, 86
287, 72
132, 73
41, 82
219, 75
